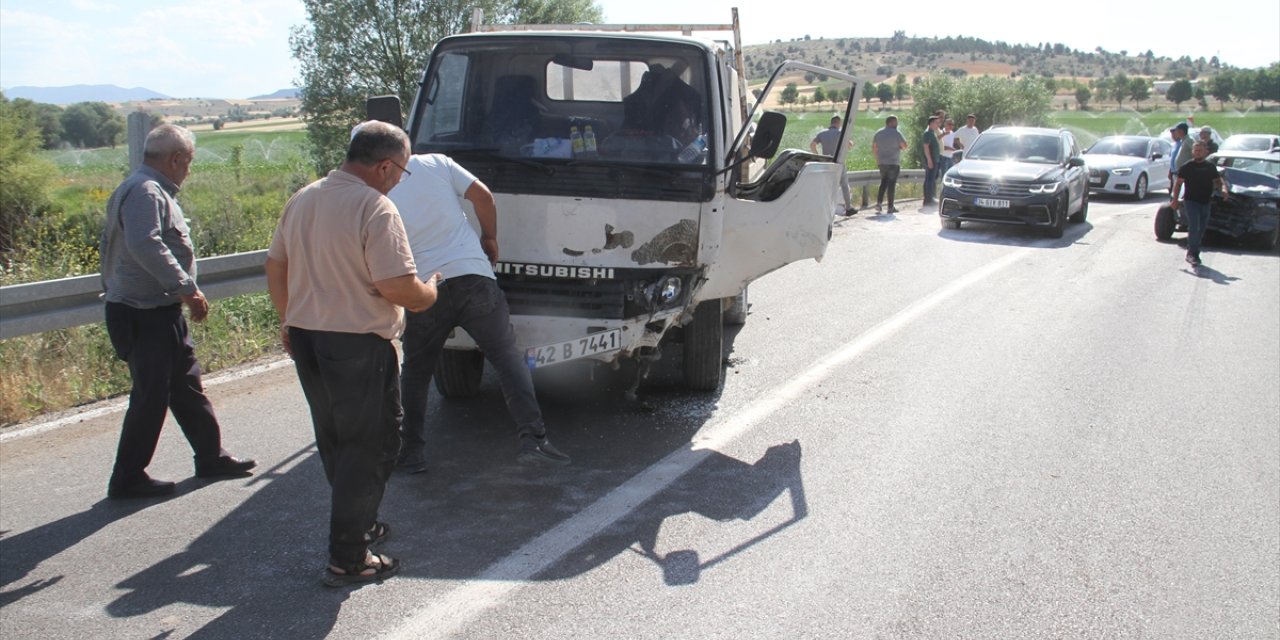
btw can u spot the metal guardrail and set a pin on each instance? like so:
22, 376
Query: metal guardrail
69, 302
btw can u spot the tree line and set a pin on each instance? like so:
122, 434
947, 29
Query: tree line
81, 125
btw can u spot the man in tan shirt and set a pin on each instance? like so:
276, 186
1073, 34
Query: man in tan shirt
340, 273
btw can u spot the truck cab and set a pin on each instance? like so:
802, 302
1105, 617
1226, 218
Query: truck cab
635, 194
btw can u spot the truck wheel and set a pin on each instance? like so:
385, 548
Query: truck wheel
458, 373
736, 314
1166, 219
703, 347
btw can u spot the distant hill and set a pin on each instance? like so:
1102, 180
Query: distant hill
882, 59
283, 94
82, 93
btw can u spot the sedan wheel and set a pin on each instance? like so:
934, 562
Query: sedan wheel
1140, 189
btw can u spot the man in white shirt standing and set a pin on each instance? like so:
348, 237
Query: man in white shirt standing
967, 134
442, 240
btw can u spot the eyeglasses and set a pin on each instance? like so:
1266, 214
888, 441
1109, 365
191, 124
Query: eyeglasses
401, 167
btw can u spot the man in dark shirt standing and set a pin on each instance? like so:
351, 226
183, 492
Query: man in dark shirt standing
932, 151
1200, 179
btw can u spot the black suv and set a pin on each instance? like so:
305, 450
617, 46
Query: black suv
1018, 175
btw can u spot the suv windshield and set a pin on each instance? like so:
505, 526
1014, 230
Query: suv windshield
1135, 147
605, 100
1020, 147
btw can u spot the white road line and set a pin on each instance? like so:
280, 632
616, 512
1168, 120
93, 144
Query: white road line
120, 404
470, 598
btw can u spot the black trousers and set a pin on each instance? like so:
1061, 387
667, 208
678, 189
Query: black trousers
166, 376
352, 385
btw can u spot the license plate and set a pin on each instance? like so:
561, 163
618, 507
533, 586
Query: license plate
589, 345
991, 203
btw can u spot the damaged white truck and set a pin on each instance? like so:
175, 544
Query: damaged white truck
635, 192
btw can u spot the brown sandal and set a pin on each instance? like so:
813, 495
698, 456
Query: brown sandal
374, 568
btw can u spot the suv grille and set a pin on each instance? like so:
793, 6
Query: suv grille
984, 189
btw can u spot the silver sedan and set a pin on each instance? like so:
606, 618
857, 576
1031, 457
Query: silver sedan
1128, 165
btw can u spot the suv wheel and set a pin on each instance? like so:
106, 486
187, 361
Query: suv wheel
1083, 214
1059, 215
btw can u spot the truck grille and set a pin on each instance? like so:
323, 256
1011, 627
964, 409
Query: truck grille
604, 299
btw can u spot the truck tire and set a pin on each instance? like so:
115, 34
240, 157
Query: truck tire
703, 347
458, 373
1166, 220
736, 313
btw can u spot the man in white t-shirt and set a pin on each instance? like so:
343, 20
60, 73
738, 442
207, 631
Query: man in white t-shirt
967, 134
442, 240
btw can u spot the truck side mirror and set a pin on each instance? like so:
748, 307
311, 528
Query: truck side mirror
768, 135
384, 108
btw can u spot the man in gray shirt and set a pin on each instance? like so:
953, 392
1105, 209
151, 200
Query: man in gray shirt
148, 273
829, 138
887, 145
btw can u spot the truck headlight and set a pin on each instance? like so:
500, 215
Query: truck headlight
948, 181
1048, 187
667, 291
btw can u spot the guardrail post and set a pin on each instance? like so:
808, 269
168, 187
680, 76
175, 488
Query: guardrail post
139, 127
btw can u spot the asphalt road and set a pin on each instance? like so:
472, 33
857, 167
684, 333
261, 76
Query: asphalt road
930, 434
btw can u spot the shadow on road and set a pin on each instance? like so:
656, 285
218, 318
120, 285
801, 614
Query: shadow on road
261, 564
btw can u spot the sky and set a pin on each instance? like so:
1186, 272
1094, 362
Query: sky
240, 48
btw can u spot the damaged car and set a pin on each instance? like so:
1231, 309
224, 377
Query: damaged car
1250, 214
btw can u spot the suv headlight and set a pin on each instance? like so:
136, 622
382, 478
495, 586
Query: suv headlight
948, 181
1122, 171
1048, 187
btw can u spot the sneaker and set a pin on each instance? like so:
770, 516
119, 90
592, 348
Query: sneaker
1193, 259
850, 211
412, 463
892, 209
878, 210
540, 451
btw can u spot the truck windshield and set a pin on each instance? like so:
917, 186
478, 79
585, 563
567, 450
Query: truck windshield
567, 98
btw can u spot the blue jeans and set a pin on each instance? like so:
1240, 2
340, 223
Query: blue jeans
1197, 220
476, 304
350, 383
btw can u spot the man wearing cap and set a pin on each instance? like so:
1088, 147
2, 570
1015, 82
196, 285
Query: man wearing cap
1181, 150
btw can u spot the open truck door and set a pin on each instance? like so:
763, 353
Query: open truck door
781, 211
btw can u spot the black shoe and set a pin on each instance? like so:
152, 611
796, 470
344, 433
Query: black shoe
412, 463
892, 209
850, 211
224, 467
1193, 259
148, 488
540, 451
